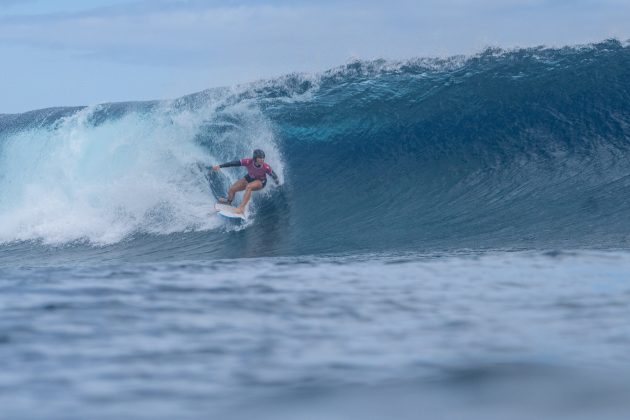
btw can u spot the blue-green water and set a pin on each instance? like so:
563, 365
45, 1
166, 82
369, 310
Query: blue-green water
449, 238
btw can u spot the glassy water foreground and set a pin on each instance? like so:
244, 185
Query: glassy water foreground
505, 335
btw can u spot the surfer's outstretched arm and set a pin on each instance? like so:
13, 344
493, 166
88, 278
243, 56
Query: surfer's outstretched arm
273, 175
226, 165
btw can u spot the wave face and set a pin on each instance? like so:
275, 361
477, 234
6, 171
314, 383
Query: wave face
514, 149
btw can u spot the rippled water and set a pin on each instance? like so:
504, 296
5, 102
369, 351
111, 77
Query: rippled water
338, 336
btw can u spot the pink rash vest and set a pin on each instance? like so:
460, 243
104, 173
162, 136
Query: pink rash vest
256, 172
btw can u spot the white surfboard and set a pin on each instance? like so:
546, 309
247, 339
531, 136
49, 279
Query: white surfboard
226, 210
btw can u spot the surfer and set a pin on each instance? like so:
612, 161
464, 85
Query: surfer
255, 179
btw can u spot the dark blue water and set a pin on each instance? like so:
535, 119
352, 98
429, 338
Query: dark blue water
449, 237
530, 335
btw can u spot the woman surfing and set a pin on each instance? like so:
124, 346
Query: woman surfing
256, 178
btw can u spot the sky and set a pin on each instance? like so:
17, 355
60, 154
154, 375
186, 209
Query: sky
85, 52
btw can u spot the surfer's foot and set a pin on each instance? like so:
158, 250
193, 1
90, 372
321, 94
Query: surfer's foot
224, 200
238, 210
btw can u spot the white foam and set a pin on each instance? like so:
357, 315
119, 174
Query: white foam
135, 173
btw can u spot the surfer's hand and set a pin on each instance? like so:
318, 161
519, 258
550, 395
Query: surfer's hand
216, 168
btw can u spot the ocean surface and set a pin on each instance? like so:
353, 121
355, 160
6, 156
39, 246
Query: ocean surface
450, 239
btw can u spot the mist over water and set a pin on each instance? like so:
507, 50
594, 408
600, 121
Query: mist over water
102, 174
450, 236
